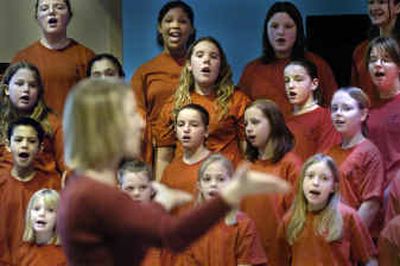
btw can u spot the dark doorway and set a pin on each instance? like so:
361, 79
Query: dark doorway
334, 38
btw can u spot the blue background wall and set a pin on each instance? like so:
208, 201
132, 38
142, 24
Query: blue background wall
237, 24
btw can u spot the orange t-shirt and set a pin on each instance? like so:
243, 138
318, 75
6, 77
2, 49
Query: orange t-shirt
361, 177
360, 76
14, 198
261, 80
267, 210
384, 130
227, 245
393, 202
51, 158
153, 83
310, 248
59, 69
389, 243
224, 135
40, 255
152, 258
313, 132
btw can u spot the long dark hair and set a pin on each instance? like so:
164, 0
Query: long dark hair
268, 54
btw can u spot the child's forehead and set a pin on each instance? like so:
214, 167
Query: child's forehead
136, 176
24, 131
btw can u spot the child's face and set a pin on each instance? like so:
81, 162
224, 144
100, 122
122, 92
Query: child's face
190, 129
104, 69
214, 178
175, 28
346, 116
137, 185
282, 34
383, 71
318, 184
53, 16
298, 84
257, 127
205, 64
24, 145
382, 12
43, 218
23, 90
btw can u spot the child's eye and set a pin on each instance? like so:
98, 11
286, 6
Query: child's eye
206, 179
143, 187
334, 108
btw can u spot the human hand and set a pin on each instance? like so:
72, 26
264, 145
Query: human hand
169, 197
249, 182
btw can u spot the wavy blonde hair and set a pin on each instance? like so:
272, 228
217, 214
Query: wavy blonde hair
9, 113
224, 86
51, 199
329, 222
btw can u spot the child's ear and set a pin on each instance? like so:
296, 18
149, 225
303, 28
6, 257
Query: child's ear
7, 142
314, 84
41, 146
6, 92
364, 114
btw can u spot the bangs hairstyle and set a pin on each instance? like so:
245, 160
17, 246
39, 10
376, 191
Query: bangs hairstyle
289, 8
224, 87
26, 121
10, 113
205, 117
386, 45
329, 222
67, 2
280, 135
93, 124
312, 71
105, 56
51, 200
213, 158
363, 103
133, 166
188, 11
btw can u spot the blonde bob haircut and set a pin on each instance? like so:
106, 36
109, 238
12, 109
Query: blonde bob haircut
51, 200
94, 124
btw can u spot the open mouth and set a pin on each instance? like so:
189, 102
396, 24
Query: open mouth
25, 98
251, 138
339, 122
315, 193
206, 70
280, 40
212, 193
23, 155
52, 21
379, 74
40, 223
185, 138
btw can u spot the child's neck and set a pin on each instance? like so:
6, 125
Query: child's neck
55, 42
43, 238
23, 174
267, 152
205, 91
391, 93
353, 140
195, 156
308, 106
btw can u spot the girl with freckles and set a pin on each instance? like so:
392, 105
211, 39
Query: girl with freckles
206, 80
269, 145
41, 244
61, 60
319, 230
383, 59
360, 163
310, 123
283, 40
